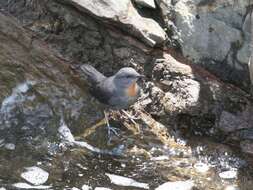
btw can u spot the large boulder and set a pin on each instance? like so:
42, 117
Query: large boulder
214, 34
123, 15
190, 98
81, 37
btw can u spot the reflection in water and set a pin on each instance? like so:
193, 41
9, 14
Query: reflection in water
17, 96
134, 161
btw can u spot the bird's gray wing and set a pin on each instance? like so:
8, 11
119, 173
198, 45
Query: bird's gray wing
104, 90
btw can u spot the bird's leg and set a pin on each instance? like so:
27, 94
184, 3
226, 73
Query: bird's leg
109, 128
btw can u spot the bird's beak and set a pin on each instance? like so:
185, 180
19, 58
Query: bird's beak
141, 76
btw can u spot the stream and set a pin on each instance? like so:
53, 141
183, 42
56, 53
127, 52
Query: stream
131, 161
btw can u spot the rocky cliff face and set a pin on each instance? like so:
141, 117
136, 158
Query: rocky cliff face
214, 34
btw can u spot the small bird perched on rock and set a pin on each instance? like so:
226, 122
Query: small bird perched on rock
117, 92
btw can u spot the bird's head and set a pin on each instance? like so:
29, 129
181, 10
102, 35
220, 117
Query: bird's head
127, 76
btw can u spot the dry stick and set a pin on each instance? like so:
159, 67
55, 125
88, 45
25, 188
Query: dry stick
92, 129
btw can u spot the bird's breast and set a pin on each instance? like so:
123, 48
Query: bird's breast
132, 90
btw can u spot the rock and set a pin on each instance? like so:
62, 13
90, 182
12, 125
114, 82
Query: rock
230, 174
102, 188
124, 16
35, 175
201, 167
33, 79
250, 64
230, 122
10, 146
243, 54
86, 187
247, 146
125, 181
231, 187
27, 186
204, 37
210, 33
84, 37
74, 188
146, 3
160, 158
193, 99
177, 185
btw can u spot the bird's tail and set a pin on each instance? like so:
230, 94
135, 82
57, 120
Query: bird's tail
93, 75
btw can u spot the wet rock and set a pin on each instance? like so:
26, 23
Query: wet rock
146, 3
125, 181
35, 175
247, 146
10, 146
160, 158
27, 186
86, 187
201, 167
177, 185
74, 188
68, 140
231, 187
230, 122
36, 89
230, 174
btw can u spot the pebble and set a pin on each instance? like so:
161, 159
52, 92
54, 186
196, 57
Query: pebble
35, 175
125, 181
231, 174
177, 185
86, 187
231, 187
160, 158
74, 188
27, 186
10, 146
201, 167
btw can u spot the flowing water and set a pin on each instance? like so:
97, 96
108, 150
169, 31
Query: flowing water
131, 161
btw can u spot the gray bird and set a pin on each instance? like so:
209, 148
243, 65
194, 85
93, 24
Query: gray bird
117, 92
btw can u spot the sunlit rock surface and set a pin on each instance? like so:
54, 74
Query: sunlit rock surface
125, 181
27, 186
35, 175
146, 3
177, 185
214, 34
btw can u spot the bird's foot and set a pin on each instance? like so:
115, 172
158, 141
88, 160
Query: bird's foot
132, 118
112, 130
